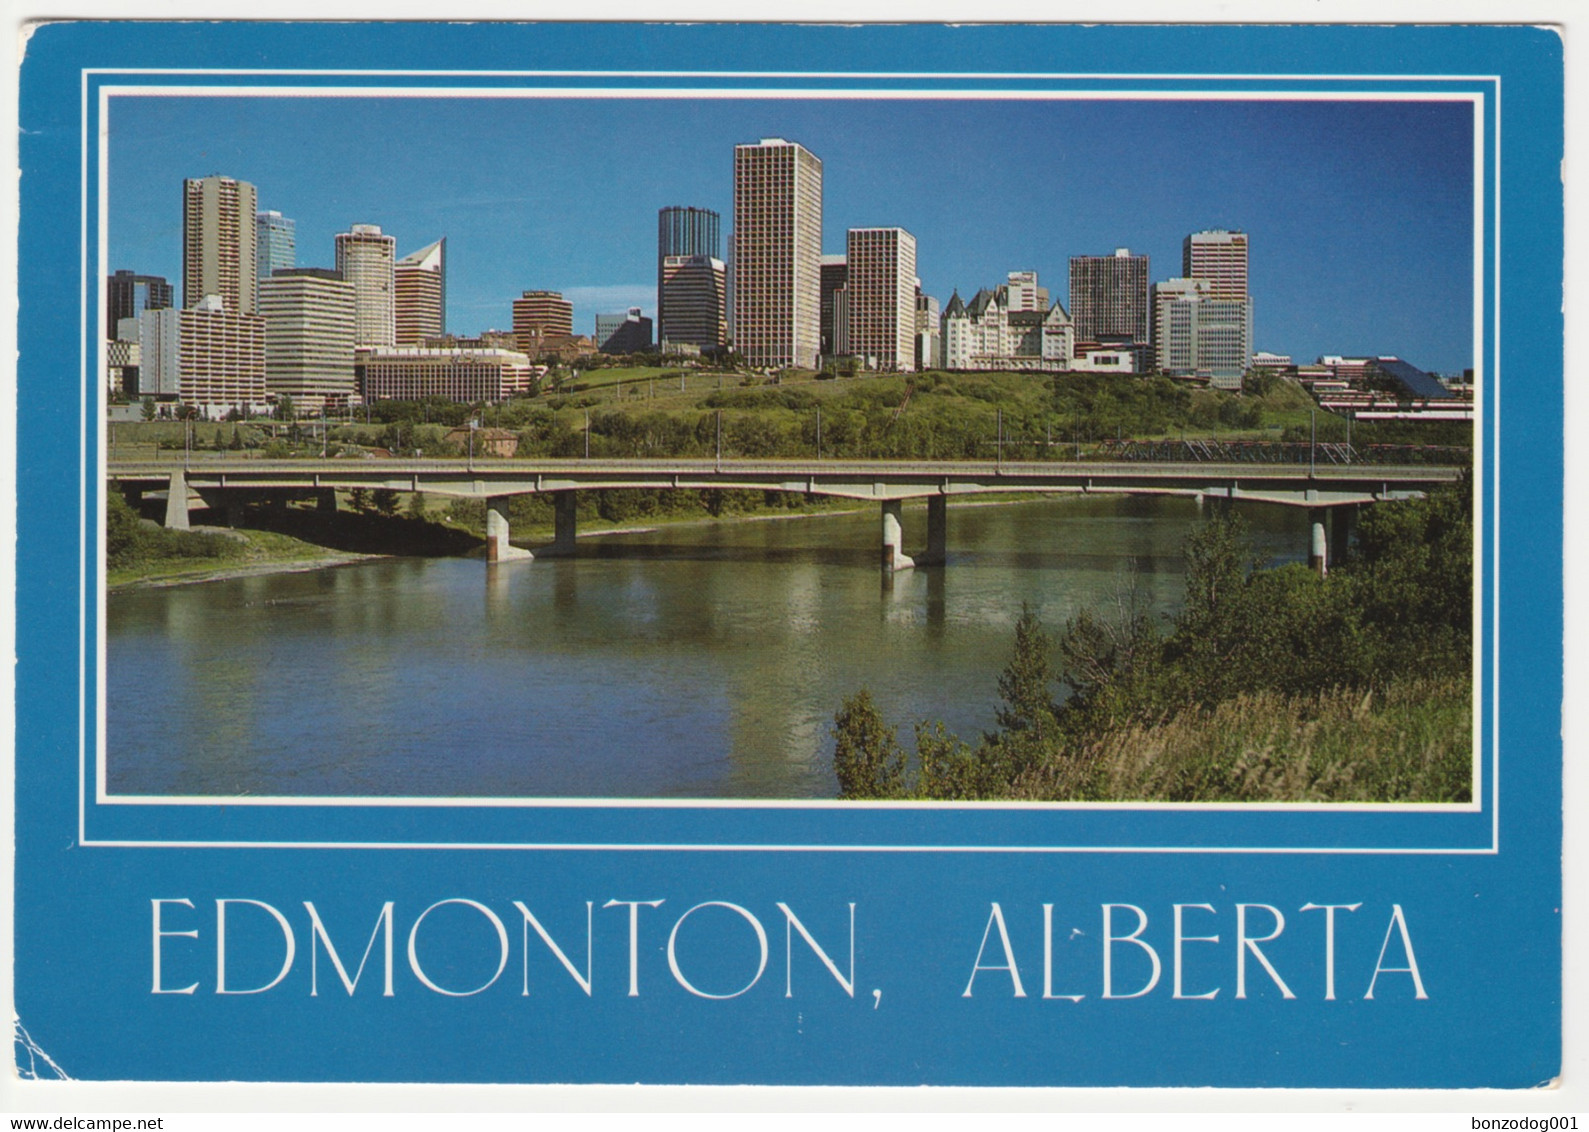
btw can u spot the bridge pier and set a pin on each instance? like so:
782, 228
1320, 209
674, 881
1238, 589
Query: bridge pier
937, 532
326, 500
565, 518
894, 556
1332, 533
498, 549
177, 502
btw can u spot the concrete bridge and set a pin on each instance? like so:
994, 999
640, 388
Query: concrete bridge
1332, 493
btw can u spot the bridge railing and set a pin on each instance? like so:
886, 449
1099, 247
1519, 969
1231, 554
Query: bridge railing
1284, 452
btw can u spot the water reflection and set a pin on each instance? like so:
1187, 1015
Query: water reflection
693, 661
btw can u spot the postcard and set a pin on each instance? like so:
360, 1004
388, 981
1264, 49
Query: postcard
790, 555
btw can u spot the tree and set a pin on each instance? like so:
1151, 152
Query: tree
284, 409
385, 500
1027, 682
867, 756
416, 506
237, 439
148, 409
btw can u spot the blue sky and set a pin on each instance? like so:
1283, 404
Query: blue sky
1359, 213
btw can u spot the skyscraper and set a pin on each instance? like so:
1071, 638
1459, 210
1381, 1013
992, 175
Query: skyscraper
219, 242
777, 253
366, 259
1109, 297
309, 315
421, 282
695, 294
278, 242
1197, 332
881, 295
683, 231
834, 272
128, 294
1219, 257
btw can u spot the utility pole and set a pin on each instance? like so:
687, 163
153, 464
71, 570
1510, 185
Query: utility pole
1313, 438
999, 443
819, 432
587, 434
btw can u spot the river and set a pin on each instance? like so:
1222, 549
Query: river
700, 660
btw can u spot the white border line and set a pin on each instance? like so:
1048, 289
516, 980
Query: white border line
106, 92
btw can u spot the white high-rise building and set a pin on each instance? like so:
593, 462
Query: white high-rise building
1196, 332
219, 242
881, 295
367, 259
309, 318
1219, 257
777, 253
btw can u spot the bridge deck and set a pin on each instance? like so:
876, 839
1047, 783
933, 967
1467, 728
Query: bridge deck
1293, 484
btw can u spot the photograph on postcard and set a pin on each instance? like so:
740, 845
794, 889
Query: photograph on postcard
1120, 448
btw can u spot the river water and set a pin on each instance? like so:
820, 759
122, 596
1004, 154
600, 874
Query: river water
693, 661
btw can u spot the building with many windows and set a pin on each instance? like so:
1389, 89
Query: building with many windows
219, 242
276, 241
695, 294
880, 295
128, 294
1198, 334
310, 314
683, 232
833, 274
1109, 297
466, 375
367, 259
988, 334
420, 286
1219, 258
207, 356
777, 253
539, 316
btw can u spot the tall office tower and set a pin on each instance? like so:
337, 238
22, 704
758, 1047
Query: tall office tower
539, 315
882, 296
1109, 297
309, 314
1024, 294
695, 293
777, 253
277, 238
366, 259
219, 242
1220, 257
128, 294
1195, 331
834, 273
421, 282
683, 231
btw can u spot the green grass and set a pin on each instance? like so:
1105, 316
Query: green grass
1412, 742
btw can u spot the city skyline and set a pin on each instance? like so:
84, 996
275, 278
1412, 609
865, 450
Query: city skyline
1360, 213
